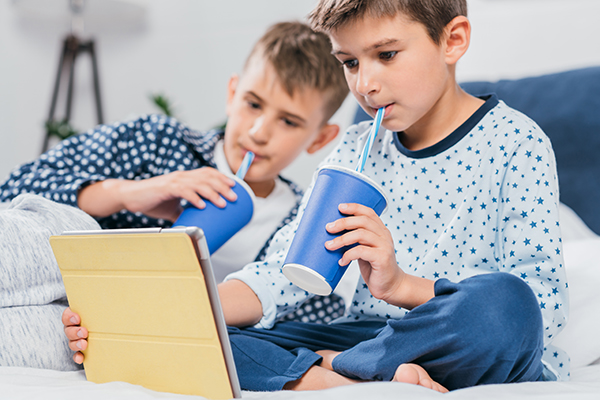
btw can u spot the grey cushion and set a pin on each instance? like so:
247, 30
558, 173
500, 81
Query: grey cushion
32, 295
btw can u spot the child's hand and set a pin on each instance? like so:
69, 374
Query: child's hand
375, 250
157, 197
76, 334
376, 257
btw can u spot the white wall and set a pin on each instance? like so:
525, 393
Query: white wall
189, 48
516, 38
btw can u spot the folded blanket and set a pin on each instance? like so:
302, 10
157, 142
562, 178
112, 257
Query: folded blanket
32, 295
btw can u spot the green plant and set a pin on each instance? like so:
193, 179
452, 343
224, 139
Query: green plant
166, 107
163, 103
61, 129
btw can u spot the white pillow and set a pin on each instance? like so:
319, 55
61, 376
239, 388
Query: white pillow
581, 336
572, 226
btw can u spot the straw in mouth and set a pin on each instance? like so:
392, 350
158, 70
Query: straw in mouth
370, 139
248, 158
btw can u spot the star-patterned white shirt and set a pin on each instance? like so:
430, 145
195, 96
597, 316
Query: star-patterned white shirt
484, 199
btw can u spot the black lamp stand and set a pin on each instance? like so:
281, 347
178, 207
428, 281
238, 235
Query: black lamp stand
72, 47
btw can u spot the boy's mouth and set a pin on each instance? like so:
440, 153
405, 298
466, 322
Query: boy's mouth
388, 109
257, 156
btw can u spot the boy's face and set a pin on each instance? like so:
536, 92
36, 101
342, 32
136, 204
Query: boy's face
264, 119
393, 63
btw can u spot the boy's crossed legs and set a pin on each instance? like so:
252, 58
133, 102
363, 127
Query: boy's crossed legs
485, 329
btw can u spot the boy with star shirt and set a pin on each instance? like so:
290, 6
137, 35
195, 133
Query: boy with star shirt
462, 277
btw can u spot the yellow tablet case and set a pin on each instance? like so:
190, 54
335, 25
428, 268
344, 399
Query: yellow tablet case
147, 306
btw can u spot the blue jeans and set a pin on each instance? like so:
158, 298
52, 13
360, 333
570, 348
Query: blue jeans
484, 329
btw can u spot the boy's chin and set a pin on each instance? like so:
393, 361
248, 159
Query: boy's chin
391, 127
396, 124
257, 178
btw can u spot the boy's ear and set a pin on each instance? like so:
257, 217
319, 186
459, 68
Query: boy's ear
327, 133
457, 38
231, 88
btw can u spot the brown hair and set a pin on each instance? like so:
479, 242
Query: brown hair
434, 15
302, 59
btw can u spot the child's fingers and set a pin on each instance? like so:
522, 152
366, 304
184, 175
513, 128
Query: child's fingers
219, 184
208, 173
76, 333
376, 254
214, 196
200, 194
78, 357
360, 217
361, 236
358, 253
356, 209
194, 198
356, 222
78, 345
199, 185
373, 248
69, 318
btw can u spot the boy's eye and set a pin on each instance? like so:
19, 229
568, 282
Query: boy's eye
253, 104
349, 64
289, 122
387, 55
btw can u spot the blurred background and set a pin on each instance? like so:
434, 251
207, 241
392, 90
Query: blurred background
186, 50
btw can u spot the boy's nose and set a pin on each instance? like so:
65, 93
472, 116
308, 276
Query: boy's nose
260, 130
366, 83
257, 124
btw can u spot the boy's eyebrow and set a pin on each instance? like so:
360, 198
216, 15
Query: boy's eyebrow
300, 120
374, 46
251, 93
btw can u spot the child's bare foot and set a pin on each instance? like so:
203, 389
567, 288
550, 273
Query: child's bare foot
328, 356
415, 374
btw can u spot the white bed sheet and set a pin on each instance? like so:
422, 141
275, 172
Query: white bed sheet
29, 384
581, 339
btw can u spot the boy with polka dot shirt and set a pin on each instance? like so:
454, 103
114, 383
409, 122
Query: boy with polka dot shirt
133, 174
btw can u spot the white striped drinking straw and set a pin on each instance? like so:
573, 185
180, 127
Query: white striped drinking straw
370, 139
248, 158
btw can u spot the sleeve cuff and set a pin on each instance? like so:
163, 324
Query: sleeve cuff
260, 288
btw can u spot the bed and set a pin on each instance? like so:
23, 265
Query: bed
581, 339
566, 105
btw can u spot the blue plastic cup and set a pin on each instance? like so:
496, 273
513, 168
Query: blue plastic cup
309, 264
220, 224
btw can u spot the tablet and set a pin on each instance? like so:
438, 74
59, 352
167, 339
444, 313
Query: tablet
149, 300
